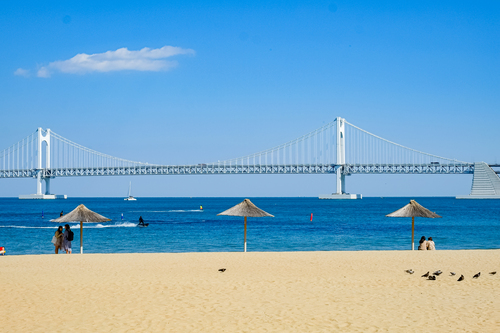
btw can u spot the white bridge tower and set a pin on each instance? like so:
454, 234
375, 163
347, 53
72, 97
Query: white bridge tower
340, 176
40, 169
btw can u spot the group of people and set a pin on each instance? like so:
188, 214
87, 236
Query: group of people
62, 240
426, 244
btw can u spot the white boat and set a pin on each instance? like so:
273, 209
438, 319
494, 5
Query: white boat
130, 197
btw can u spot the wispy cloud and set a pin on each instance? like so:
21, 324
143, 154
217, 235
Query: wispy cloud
43, 72
22, 72
146, 59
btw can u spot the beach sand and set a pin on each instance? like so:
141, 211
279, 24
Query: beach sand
259, 292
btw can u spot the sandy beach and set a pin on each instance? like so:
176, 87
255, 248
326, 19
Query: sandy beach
258, 292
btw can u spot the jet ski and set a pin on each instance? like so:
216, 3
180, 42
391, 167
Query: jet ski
141, 223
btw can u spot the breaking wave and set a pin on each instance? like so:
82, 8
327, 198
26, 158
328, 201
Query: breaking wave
77, 226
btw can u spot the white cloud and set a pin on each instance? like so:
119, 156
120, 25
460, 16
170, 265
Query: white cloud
22, 72
145, 59
43, 72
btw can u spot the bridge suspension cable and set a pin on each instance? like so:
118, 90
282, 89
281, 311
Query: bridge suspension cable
68, 154
22, 155
363, 147
316, 147
319, 148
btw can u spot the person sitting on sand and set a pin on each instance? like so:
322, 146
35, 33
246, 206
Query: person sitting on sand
59, 239
66, 241
423, 244
430, 244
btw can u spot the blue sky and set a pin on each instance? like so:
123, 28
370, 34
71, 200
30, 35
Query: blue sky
248, 76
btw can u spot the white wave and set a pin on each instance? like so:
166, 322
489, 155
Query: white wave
149, 211
99, 225
167, 211
26, 227
77, 226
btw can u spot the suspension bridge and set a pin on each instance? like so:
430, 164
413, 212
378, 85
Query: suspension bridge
338, 148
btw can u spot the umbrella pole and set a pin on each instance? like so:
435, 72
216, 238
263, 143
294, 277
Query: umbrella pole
412, 232
245, 239
81, 237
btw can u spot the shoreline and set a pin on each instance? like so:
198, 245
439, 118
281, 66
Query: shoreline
258, 197
232, 252
317, 291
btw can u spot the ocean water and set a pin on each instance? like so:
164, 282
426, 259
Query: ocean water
178, 225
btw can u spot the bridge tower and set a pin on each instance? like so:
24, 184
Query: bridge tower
41, 139
340, 155
40, 169
341, 161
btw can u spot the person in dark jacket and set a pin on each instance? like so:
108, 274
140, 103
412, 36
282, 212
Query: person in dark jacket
66, 241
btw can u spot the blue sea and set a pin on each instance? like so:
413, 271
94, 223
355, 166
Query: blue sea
178, 225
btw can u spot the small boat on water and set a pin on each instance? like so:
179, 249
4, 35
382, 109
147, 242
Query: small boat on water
130, 197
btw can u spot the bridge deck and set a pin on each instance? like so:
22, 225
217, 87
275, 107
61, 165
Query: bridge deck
214, 169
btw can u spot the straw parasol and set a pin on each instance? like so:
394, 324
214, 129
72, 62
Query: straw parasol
413, 209
245, 208
81, 214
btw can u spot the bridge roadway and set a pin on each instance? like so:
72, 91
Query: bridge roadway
217, 169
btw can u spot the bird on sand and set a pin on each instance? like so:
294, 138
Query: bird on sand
437, 273
431, 277
461, 278
493, 273
222, 270
477, 275
410, 271
426, 274
452, 273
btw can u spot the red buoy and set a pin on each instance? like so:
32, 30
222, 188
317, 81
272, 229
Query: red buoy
311, 217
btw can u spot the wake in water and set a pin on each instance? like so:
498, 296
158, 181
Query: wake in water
77, 226
168, 211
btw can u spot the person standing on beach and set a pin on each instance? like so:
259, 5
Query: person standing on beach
423, 244
430, 244
58, 239
67, 238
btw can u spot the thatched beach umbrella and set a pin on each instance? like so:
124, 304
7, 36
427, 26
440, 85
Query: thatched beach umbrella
245, 208
81, 214
411, 210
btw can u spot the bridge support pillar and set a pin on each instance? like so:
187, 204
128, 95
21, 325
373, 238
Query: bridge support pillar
340, 176
39, 182
340, 182
47, 185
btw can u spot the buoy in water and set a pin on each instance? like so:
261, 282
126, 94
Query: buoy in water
311, 217
201, 207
